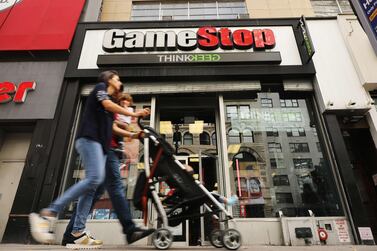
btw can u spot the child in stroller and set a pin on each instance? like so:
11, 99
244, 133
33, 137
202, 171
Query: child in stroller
173, 196
189, 194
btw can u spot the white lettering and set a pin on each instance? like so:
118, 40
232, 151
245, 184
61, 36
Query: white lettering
366, 4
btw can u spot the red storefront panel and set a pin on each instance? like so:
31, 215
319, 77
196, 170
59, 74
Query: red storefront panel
38, 24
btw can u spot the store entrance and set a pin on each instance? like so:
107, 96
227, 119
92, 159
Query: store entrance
189, 125
13, 150
363, 156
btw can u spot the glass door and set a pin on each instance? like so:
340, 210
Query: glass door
189, 125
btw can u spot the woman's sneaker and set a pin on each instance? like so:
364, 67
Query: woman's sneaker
84, 241
42, 228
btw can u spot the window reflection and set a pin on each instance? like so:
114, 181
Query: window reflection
188, 139
204, 138
276, 158
131, 164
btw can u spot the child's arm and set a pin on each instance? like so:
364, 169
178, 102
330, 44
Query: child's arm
121, 132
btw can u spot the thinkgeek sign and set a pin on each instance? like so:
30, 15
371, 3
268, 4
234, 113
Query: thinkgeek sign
206, 38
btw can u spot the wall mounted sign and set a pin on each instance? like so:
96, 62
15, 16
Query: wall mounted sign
257, 45
189, 58
7, 89
38, 25
206, 39
306, 39
366, 11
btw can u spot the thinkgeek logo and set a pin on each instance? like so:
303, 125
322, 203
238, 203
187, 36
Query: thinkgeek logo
206, 38
5, 4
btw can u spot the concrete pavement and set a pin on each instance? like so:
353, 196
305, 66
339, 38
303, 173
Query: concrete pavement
14, 247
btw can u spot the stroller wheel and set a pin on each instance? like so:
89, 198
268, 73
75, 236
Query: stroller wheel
216, 238
162, 238
232, 239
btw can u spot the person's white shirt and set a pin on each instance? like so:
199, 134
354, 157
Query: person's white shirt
124, 118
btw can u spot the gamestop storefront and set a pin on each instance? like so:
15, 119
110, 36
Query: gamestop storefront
235, 99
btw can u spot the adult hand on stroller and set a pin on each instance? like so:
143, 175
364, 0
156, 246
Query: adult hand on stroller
232, 200
145, 112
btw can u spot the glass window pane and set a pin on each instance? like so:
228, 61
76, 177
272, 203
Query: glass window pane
204, 139
231, 111
231, 4
234, 136
188, 139
247, 136
182, 5
207, 5
214, 140
173, 12
287, 171
230, 16
244, 112
202, 12
145, 5
180, 17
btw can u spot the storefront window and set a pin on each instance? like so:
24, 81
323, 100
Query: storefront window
131, 165
281, 167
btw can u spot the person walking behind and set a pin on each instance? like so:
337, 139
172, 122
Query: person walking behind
92, 144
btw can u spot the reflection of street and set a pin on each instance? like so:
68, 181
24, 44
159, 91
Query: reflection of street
276, 158
249, 188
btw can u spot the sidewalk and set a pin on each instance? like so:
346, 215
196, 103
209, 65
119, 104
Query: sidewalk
14, 247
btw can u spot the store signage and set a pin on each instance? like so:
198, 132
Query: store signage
306, 39
206, 38
188, 58
366, 11
5, 4
7, 89
38, 25
366, 233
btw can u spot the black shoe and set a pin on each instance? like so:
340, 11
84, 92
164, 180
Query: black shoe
138, 234
68, 239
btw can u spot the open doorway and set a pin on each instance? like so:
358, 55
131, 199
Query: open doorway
363, 156
189, 125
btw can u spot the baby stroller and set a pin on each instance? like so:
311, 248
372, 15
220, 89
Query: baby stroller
189, 195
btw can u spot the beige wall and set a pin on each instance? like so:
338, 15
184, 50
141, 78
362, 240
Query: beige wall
120, 10
279, 8
360, 49
116, 10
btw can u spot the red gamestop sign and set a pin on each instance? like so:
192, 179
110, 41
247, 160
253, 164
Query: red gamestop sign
7, 89
205, 38
38, 24
210, 38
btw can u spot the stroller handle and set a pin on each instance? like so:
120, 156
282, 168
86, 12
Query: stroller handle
139, 122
